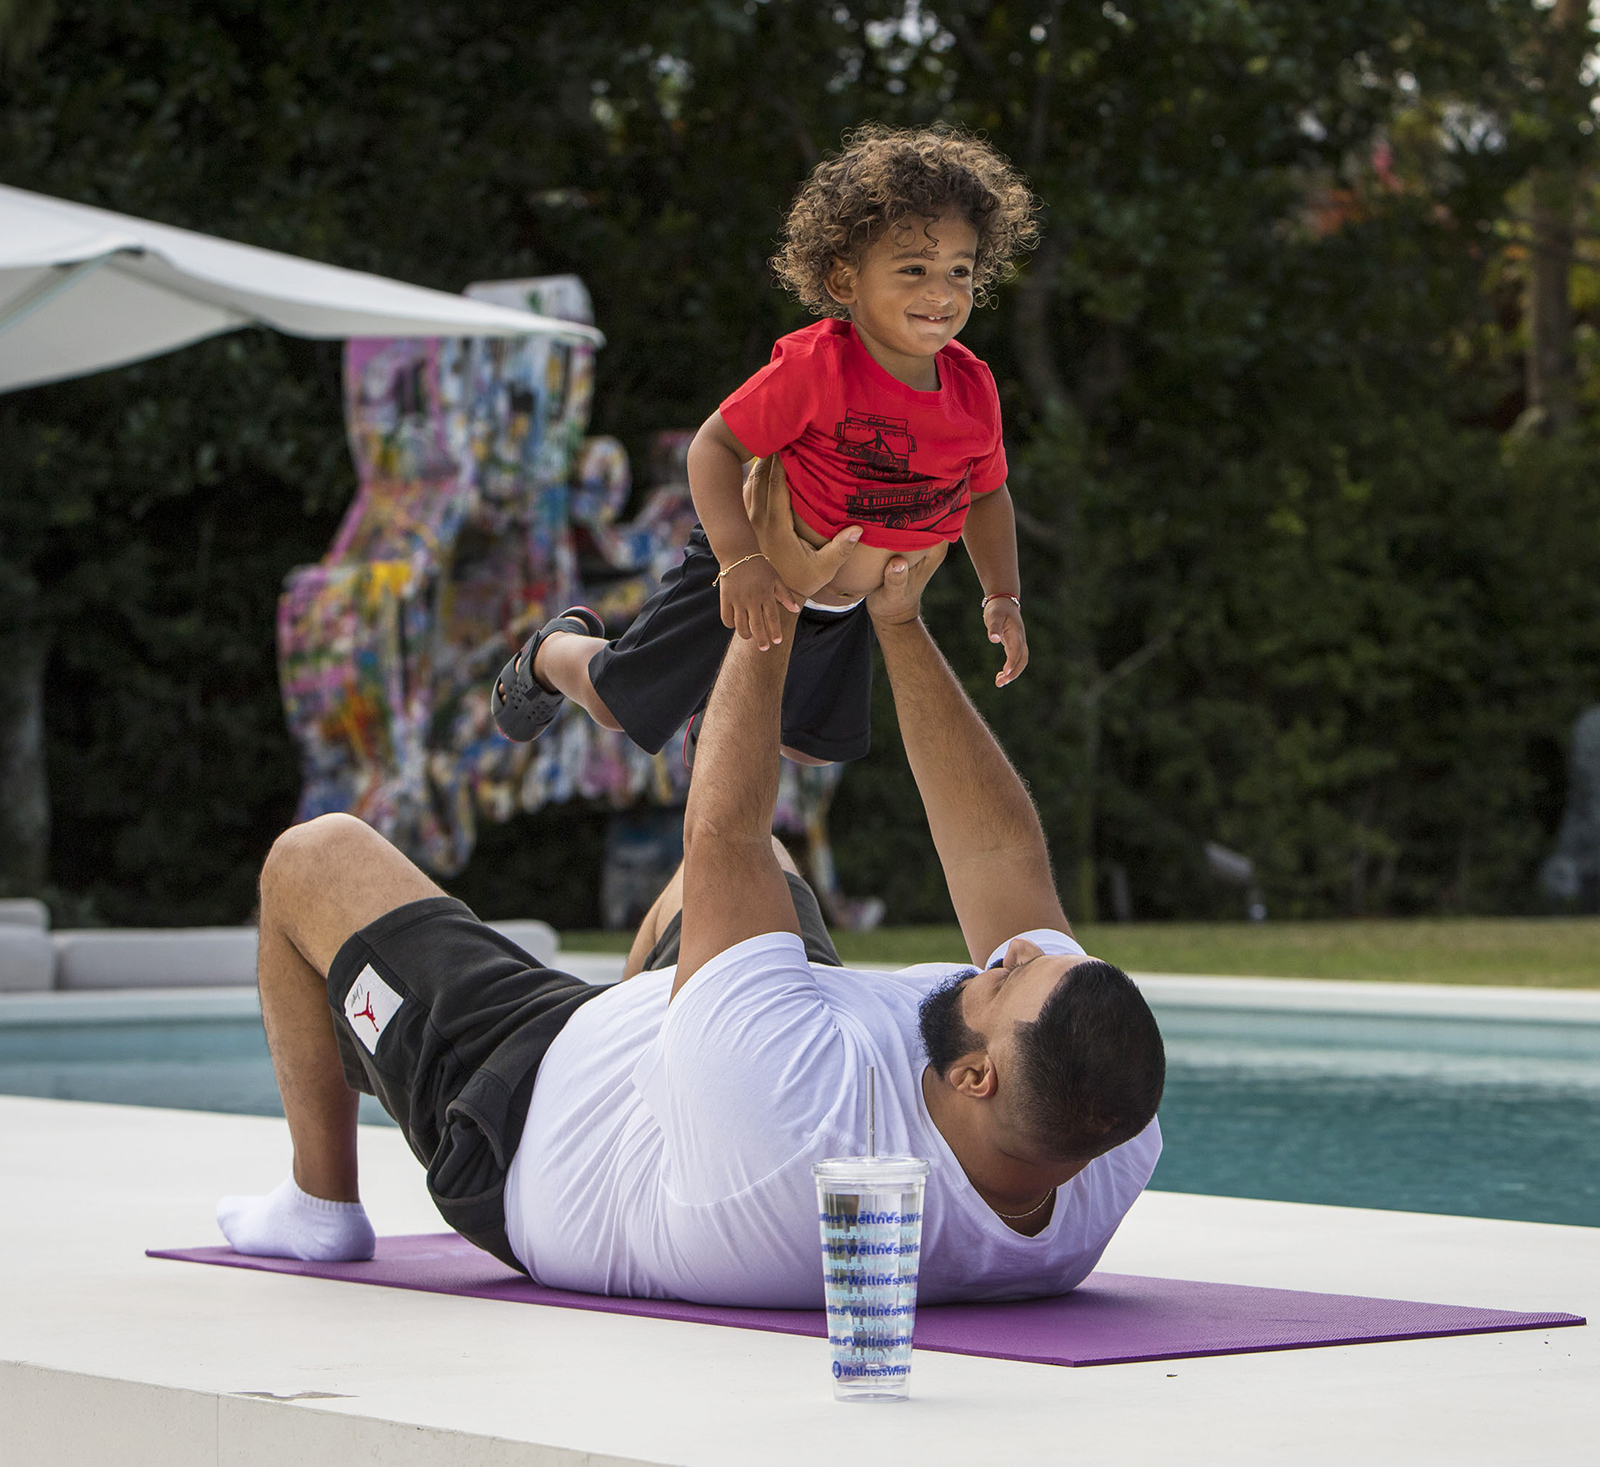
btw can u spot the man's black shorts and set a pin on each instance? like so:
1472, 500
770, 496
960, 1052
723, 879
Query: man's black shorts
813, 931
658, 674
446, 1022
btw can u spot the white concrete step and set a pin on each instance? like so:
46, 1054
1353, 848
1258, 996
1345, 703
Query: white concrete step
107, 1356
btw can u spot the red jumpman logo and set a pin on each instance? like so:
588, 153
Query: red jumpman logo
366, 1013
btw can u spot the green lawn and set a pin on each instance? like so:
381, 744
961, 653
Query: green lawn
1555, 952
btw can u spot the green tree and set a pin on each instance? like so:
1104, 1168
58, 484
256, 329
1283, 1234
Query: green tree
1253, 377
147, 516
23, 26
146, 528
1288, 585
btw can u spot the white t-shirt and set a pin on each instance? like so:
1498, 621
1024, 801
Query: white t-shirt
668, 1150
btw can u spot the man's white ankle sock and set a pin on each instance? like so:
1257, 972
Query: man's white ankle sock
289, 1223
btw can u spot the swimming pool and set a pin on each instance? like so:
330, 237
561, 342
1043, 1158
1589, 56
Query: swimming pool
1419, 1144
1453, 1115
198, 1051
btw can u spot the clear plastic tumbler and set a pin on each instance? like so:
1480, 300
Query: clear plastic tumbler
871, 1214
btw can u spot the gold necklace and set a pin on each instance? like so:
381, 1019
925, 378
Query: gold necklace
1018, 1216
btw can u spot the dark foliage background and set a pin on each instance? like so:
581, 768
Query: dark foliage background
1300, 576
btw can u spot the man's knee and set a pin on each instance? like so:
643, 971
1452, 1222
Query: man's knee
310, 851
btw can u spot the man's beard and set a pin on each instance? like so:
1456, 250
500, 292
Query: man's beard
945, 1035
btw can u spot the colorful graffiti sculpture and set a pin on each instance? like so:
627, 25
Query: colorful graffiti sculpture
481, 510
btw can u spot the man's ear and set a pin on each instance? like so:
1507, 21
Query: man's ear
973, 1075
840, 282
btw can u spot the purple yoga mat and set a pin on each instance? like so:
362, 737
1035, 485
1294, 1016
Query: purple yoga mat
1110, 1319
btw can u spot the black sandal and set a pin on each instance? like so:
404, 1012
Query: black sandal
523, 708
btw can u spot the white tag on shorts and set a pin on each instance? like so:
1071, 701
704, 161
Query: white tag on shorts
369, 1006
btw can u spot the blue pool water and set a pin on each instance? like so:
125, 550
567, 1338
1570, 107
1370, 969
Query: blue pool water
1480, 1138
211, 1064
1415, 1143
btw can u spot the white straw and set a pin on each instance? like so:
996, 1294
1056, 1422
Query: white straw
872, 1110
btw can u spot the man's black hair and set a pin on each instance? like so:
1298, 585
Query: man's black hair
1092, 1064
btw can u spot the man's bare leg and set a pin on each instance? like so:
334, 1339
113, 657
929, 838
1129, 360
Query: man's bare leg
319, 1106
670, 903
322, 882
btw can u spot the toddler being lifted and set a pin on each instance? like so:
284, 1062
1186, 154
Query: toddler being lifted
888, 433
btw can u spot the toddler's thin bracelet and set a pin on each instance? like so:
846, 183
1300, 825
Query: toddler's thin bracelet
1002, 596
717, 581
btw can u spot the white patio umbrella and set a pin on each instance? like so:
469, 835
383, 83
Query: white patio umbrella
83, 289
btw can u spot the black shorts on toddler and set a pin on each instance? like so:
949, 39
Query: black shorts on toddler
658, 674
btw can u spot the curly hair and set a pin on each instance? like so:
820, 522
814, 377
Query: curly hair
887, 175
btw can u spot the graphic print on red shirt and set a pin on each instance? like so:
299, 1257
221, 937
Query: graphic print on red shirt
859, 447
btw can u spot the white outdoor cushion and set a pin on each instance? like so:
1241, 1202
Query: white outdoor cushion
537, 939
149, 957
27, 960
25, 912
201, 957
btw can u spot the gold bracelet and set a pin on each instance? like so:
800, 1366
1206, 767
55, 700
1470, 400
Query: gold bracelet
1003, 596
717, 581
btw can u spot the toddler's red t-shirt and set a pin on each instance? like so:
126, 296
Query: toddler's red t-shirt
859, 447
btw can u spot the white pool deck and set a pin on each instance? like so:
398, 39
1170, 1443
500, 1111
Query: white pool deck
109, 1357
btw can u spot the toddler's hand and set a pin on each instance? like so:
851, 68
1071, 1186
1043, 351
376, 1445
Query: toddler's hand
751, 594
1003, 618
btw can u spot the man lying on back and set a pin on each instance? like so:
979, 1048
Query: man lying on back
655, 1138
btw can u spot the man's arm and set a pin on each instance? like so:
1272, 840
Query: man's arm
732, 885
984, 826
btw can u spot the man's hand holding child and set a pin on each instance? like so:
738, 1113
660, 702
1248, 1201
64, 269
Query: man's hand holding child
899, 598
803, 569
